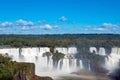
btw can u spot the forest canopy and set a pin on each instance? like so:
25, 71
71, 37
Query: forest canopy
64, 40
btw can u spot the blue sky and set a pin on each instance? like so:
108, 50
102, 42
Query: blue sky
59, 16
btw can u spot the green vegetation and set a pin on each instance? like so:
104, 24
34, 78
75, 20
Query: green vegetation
10, 70
56, 57
81, 40
47, 54
6, 68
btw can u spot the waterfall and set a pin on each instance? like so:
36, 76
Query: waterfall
50, 63
102, 51
113, 59
81, 64
93, 50
43, 50
4, 51
44, 64
64, 50
12, 52
72, 50
61, 50
29, 54
74, 64
65, 65
60, 62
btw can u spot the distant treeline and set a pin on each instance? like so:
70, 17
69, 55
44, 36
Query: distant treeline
64, 40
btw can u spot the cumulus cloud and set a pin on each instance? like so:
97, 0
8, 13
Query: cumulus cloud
44, 27
104, 28
63, 18
23, 25
22, 22
29, 28
48, 27
6, 24
24, 28
107, 26
99, 28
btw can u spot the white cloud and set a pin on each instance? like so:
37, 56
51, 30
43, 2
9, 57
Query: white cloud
107, 26
63, 18
22, 22
29, 28
45, 27
99, 28
24, 28
17, 23
26, 25
48, 27
6, 24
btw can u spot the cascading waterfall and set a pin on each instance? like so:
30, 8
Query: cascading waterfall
61, 50
101, 51
68, 64
65, 65
42, 58
81, 64
28, 54
42, 63
12, 52
93, 50
72, 50
73, 63
111, 61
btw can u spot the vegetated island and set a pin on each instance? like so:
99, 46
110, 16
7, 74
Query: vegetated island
11, 70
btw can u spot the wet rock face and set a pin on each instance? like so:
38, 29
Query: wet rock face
22, 76
26, 71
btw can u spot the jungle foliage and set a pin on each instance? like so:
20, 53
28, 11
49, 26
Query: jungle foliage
65, 40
